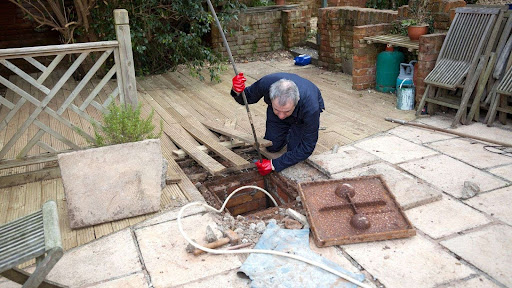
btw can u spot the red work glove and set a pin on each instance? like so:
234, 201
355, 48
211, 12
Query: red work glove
239, 83
264, 166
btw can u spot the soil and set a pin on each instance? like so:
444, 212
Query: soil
248, 227
277, 55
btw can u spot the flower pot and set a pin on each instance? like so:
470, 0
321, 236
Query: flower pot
280, 2
415, 31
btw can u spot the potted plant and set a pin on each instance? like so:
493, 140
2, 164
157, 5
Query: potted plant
418, 22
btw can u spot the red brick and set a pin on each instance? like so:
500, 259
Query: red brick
427, 57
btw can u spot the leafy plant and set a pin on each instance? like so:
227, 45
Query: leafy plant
419, 12
123, 124
167, 33
400, 27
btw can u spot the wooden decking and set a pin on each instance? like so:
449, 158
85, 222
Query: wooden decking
185, 104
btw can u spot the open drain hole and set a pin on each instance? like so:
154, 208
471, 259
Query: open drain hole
249, 201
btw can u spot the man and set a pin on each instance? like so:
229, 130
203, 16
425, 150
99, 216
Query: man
293, 115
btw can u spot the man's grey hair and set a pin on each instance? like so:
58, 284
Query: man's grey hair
284, 90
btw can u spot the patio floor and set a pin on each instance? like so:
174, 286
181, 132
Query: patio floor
459, 243
349, 116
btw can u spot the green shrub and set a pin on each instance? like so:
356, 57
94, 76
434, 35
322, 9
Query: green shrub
123, 124
166, 33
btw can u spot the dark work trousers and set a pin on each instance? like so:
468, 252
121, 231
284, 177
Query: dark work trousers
282, 132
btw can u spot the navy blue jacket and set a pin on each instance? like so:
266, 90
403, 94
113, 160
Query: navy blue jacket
300, 130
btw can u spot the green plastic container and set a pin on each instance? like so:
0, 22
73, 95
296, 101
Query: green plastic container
388, 69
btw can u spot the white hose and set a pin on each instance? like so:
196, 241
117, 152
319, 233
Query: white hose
242, 251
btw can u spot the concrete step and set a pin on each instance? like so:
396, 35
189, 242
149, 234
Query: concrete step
312, 43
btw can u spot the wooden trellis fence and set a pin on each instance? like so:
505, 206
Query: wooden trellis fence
38, 91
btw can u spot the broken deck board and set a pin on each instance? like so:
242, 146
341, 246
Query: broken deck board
189, 123
180, 154
203, 159
235, 134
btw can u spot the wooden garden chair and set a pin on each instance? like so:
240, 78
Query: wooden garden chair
471, 32
34, 236
500, 102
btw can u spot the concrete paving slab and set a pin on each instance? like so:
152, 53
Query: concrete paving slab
112, 182
137, 280
409, 192
470, 152
347, 157
419, 135
107, 258
482, 130
163, 251
504, 172
489, 249
8, 284
227, 279
449, 174
439, 120
334, 254
303, 172
477, 282
410, 262
394, 149
495, 203
445, 217
171, 215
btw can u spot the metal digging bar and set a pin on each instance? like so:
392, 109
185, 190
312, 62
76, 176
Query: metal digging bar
226, 45
425, 126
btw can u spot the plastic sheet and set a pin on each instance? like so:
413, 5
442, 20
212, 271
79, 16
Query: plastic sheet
275, 271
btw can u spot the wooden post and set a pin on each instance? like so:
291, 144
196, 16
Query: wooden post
129, 86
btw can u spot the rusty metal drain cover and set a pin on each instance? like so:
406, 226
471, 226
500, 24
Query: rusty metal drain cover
353, 210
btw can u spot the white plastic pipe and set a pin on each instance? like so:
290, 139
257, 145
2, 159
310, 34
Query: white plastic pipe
242, 251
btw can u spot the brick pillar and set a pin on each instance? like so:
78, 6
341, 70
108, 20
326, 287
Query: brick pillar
296, 26
365, 55
430, 46
330, 38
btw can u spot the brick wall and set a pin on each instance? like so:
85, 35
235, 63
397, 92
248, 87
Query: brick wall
336, 28
264, 31
430, 46
342, 28
296, 26
365, 55
442, 11
354, 3
311, 5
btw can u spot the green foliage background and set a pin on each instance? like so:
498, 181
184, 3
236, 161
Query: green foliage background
166, 33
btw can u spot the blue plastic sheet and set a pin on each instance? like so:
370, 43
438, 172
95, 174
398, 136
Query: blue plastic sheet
275, 271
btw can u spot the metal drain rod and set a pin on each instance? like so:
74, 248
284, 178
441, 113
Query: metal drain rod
226, 45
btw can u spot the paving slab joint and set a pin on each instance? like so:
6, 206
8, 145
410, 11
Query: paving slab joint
368, 276
141, 258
